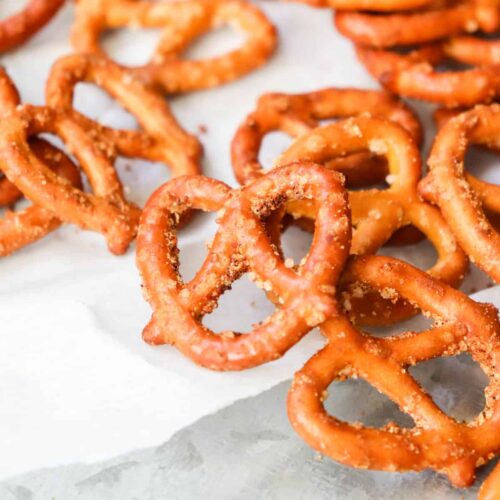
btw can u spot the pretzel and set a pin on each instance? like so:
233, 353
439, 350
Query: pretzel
182, 21
436, 441
490, 488
106, 211
462, 198
377, 214
304, 296
414, 75
370, 5
160, 139
297, 114
21, 228
19, 27
436, 21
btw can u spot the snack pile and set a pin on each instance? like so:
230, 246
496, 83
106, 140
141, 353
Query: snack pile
353, 176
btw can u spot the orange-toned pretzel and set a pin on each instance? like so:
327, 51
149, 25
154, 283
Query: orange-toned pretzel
414, 75
378, 213
297, 114
370, 5
436, 21
105, 211
490, 489
304, 296
160, 138
182, 22
23, 227
462, 198
436, 440
19, 27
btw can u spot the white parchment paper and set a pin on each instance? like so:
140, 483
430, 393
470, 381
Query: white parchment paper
76, 381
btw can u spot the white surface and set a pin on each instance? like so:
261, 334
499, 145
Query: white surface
76, 381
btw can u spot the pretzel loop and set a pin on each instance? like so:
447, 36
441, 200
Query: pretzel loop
304, 296
182, 21
436, 440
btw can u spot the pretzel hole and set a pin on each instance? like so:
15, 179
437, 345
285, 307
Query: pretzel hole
273, 144
105, 110
296, 243
240, 308
482, 164
133, 47
455, 383
421, 254
358, 401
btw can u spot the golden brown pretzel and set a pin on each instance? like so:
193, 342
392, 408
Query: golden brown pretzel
297, 114
160, 138
436, 440
414, 75
490, 489
106, 211
432, 23
304, 296
377, 214
17, 28
182, 22
461, 197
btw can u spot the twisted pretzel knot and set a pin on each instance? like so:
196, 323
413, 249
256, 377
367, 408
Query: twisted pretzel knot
182, 23
20, 228
436, 441
465, 200
17, 28
377, 214
432, 23
304, 296
160, 139
297, 114
105, 211
414, 74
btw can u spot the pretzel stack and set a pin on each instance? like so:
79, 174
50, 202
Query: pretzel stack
358, 184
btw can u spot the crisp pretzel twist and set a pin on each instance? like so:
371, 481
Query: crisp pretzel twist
160, 138
462, 198
22, 227
304, 296
436, 441
427, 25
378, 213
415, 75
297, 114
19, 27
105, 211
182, 21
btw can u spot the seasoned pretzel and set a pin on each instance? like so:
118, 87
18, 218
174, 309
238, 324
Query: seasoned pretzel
106, 211
462, 198
490, 488
422, 26
377, 214
414, 75
23, 227
304, 296
436, 441
19, 27
370, 5
182, 21
160, 139
297, 114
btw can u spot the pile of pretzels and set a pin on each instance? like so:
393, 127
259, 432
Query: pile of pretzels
356, 183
